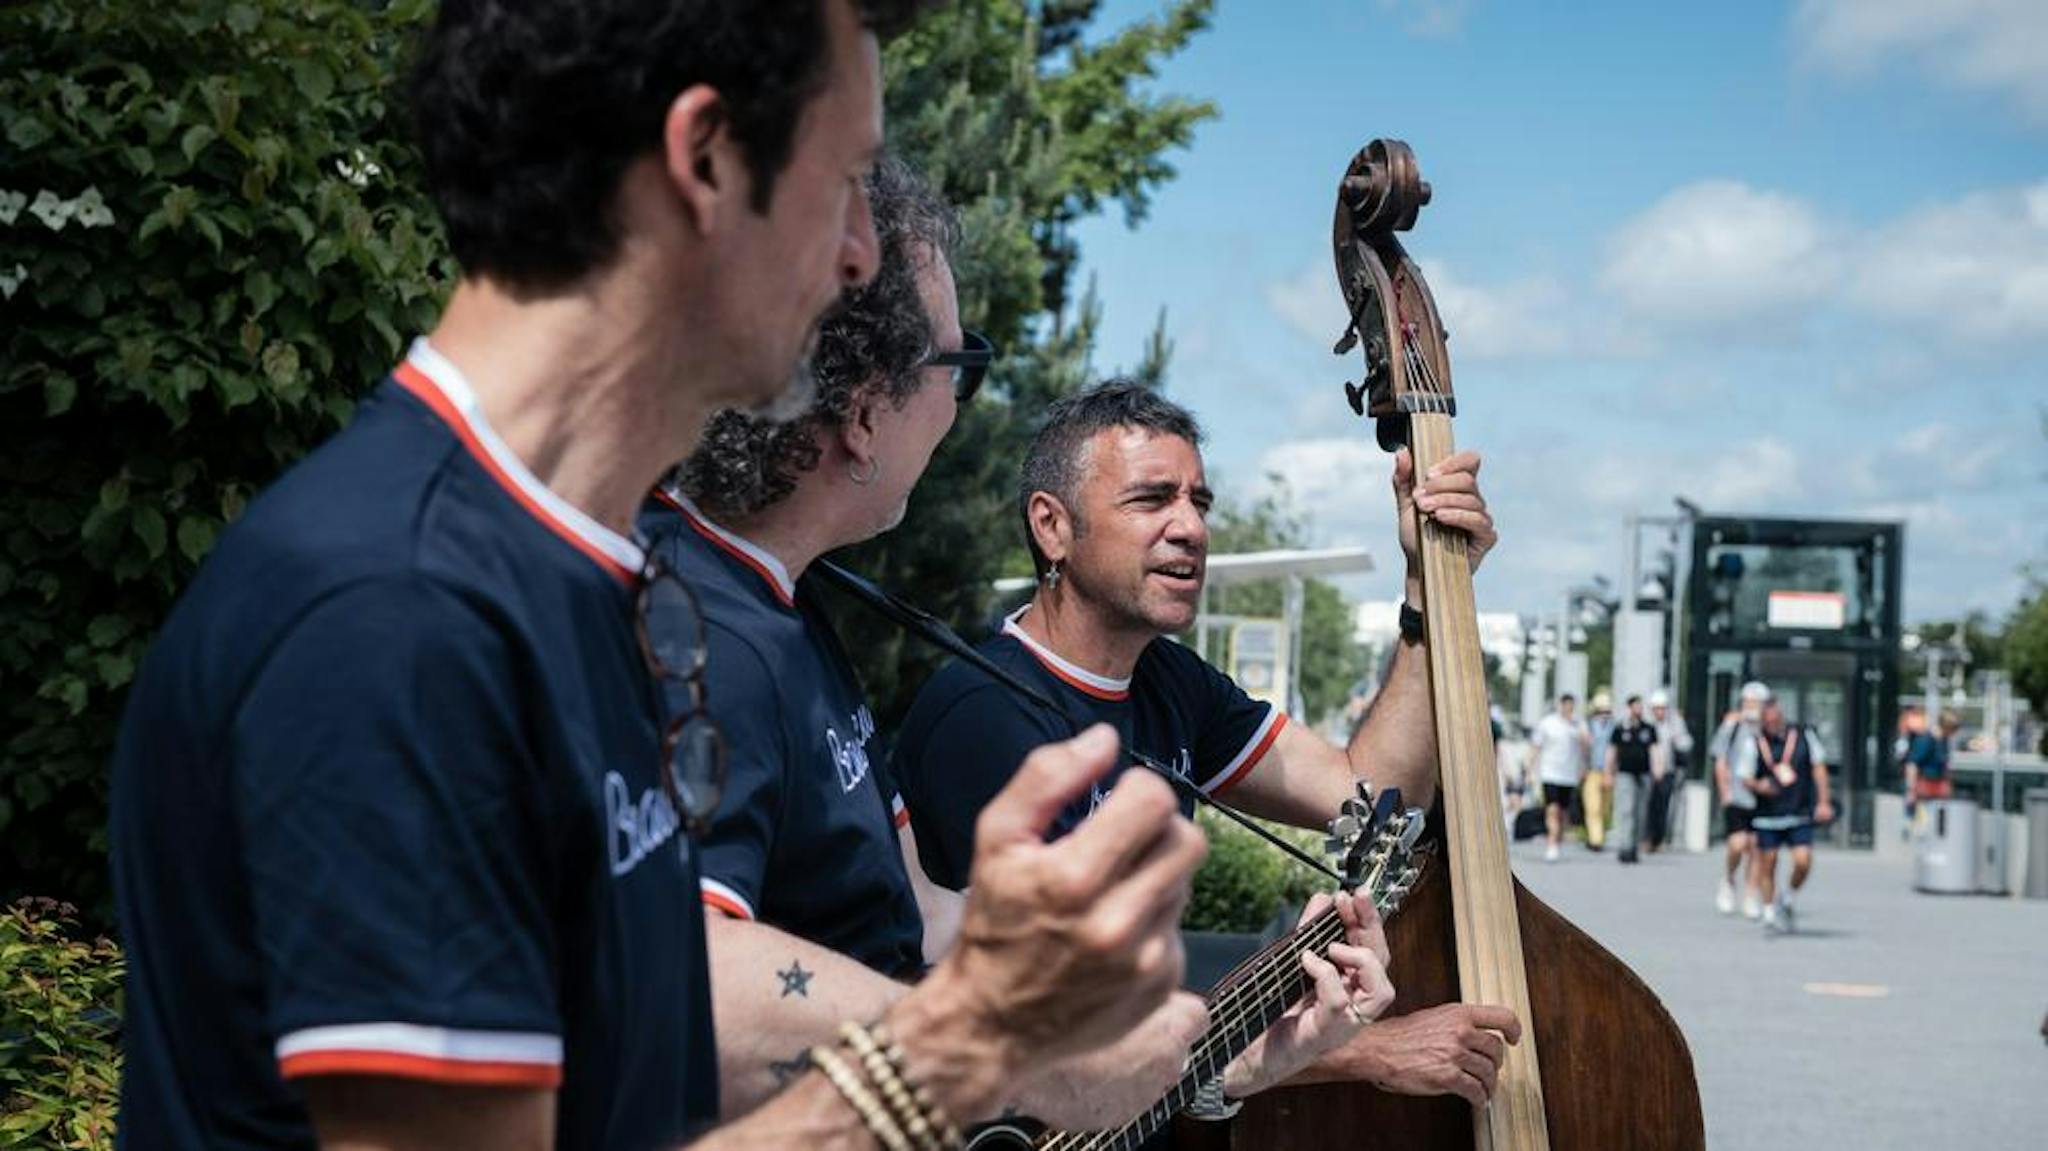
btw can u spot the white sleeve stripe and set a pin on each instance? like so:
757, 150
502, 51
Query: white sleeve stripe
710, 886
1251, 745
537, 1048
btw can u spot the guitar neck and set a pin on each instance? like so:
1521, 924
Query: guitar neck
1245, 1003
1490, 963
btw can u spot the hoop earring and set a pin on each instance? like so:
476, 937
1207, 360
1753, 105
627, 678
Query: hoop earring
853, 472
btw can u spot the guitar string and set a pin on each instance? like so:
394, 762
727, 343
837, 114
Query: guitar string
1278, 978
1265, 973
1263, 997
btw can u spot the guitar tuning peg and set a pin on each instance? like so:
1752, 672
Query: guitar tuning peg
1355, 395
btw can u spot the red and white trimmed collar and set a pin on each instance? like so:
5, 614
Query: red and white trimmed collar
440, 385
1074, 675
750, 554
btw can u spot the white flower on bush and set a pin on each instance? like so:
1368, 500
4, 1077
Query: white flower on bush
358, 169
92, 212
89, 209
53, 212
11, 204
11, 279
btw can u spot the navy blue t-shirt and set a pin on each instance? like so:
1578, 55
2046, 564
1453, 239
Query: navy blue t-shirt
805, 837
1632, 743
386, 802
967, 734
1790, 806
1928, 754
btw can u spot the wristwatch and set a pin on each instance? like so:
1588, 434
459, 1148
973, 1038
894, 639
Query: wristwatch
1411, 624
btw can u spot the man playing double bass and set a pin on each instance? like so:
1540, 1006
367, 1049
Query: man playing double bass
1114, 500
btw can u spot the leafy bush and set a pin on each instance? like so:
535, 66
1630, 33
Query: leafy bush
1244, 879
60, 1058
210, 245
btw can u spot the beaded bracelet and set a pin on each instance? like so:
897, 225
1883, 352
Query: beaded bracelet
894, 1091
935, 1117
872, 1113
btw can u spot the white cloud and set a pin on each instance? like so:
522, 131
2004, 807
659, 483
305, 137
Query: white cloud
1310, 304
1560, 504
1976, 267
1719, 255
1340, 482
1525, 319
1994, 46
1519, 320
1430, 19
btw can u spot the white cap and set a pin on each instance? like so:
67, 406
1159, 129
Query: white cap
1755, 690
1660, 698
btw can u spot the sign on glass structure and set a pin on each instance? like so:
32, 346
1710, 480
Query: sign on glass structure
1810, 607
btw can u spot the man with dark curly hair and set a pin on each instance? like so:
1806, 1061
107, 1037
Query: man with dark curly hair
404, 798
815, 909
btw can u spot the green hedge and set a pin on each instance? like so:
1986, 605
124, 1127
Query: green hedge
60, 1058
210, 246
1245, 880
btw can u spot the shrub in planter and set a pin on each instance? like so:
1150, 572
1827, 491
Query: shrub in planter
60, 1053
1244, 879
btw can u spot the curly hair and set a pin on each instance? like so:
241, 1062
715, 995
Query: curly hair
1053, 464
528, 112
871, 344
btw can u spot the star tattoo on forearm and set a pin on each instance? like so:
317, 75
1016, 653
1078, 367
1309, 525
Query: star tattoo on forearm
795, 980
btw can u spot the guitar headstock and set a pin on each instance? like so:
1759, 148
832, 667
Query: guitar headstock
1373, 844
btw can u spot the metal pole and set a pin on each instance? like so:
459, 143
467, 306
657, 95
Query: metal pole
1292, 608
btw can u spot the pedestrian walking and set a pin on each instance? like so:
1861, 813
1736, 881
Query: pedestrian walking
1734, 752
1558, 749
1791, 786
1633, 757
1676, 739
1593, 795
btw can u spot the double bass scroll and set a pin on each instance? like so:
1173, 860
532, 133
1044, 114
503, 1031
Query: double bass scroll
1601, 1064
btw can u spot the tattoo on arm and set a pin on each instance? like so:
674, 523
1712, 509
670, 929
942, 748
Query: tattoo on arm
786, 1070
795, 980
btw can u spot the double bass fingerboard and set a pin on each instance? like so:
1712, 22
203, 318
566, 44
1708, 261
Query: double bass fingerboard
1490, 962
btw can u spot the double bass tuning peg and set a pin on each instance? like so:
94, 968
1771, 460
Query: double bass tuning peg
1354, 394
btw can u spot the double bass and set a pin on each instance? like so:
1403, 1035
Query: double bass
1601, 1066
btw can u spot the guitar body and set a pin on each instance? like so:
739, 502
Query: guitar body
1617, 1074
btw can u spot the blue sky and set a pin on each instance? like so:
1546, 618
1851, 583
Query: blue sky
1776, 258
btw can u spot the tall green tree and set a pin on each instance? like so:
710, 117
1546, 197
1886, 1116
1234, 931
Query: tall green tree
2025, 650
212, 242
1029, 118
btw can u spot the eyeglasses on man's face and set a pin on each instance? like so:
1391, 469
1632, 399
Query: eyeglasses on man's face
970, 364
670, 627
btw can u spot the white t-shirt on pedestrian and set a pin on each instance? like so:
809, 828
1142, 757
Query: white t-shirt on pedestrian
1559, 752
1736, 742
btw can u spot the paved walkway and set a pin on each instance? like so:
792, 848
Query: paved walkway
1890, 1021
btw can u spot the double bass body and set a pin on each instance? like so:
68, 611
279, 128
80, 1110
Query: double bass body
1617, 1074
1602, 1066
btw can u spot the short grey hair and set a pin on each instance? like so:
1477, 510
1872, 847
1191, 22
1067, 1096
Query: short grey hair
1053, 464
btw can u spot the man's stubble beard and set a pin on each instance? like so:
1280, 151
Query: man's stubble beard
795, 399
